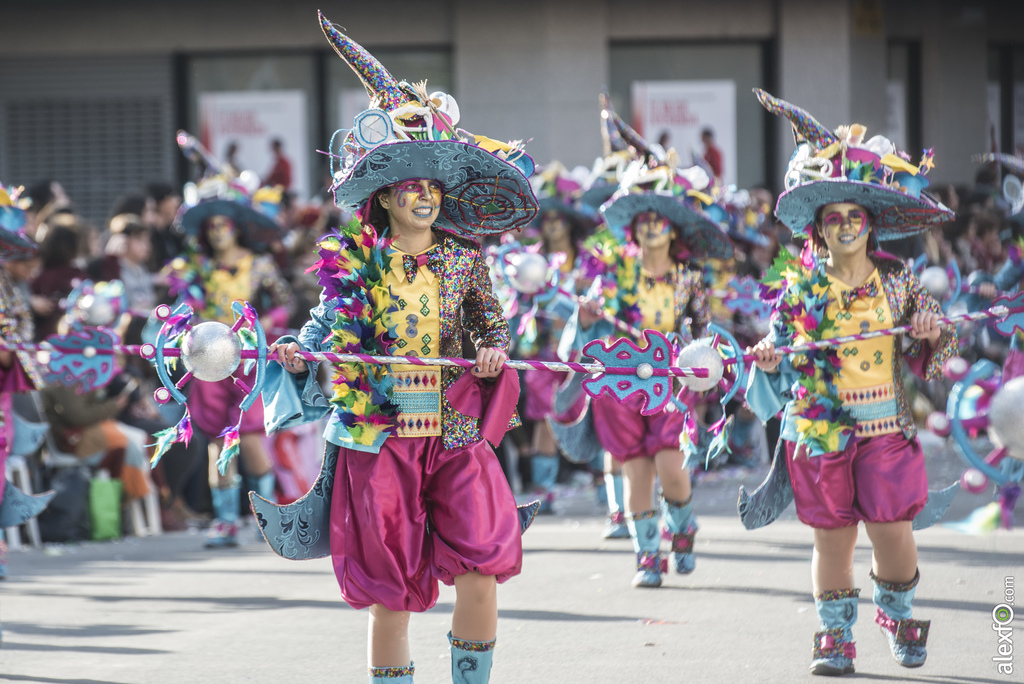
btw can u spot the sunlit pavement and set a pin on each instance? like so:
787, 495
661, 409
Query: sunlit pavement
165, 610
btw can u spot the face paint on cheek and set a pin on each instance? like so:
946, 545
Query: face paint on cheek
864, 228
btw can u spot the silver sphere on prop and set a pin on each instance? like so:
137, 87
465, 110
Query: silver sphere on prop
211, 352
696, 355
1006, 425
936, 281
97, 310
527, 272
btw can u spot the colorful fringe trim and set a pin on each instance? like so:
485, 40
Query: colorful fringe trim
352, 269
798, 291
231, 448
179, 434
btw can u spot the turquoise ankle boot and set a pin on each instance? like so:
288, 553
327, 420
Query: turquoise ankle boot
834, 651
643, 528
224, 530
679, 520
615, 527
907, 638
471, 660
264, 486
544, 473
392, 675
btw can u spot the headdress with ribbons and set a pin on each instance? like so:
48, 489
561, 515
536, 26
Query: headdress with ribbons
842, 166
558, 189
409, 133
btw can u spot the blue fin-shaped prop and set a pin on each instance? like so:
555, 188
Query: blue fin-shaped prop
19, 507
936, 506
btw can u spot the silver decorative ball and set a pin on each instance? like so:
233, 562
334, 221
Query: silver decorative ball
97, 310
1006, 427
645, 371
696, 355
936, 281
211, 352
527, 272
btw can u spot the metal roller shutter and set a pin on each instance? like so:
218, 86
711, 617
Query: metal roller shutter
99, 126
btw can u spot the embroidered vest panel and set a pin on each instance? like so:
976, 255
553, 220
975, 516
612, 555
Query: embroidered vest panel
417, 388
657, 302
866, 383
224, 287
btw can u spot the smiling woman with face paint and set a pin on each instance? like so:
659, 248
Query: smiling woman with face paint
410, 493
848, 444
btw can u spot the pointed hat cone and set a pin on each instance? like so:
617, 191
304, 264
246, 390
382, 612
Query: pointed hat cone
610, 136
805, 127
382, 87
1014, 164
628, 133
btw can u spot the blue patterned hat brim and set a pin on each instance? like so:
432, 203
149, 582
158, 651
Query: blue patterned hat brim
598, 195
483, 195
246, 219
700, 234
15, 245
895, 215
575, 215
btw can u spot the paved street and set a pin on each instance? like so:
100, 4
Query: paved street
165, 610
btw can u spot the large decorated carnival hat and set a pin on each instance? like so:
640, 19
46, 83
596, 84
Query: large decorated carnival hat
14, 244
621, 145
250, 207
683, 196
842, 166
558, 189
1013, 188
408, 133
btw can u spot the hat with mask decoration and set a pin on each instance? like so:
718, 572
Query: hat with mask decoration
1013, 189
841, 167
408, 134
14, 244
683, 196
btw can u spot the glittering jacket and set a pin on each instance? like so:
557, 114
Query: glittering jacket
769, 393
16, 325
466, 302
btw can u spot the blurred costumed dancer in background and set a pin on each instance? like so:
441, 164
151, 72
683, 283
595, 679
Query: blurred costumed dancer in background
230, 234
650, 284
564, 225
849, 451
410, 492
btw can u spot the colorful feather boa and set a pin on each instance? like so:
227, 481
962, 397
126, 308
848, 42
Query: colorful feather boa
352, 269
618, 266
798, 290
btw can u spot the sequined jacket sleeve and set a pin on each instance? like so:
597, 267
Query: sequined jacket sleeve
481, 311
907, 296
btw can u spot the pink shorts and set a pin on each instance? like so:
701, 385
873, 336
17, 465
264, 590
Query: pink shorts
214, 406
1014, 366
875, 479
540, 393
626, 434
382, 505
